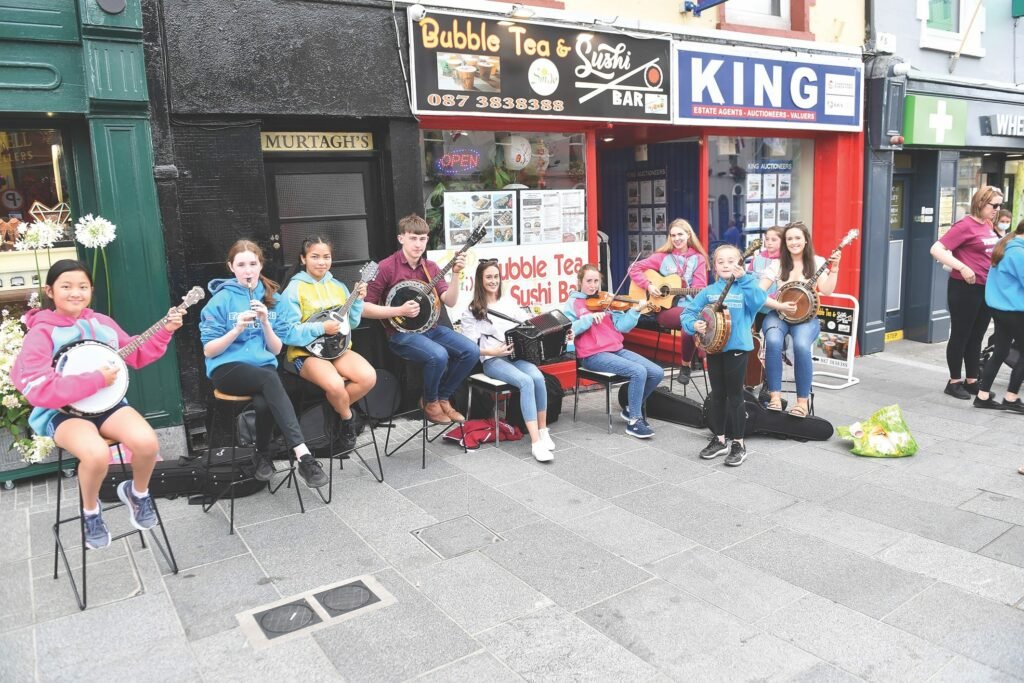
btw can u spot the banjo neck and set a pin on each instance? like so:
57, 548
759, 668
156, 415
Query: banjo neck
195, 294
850, 236
720, 304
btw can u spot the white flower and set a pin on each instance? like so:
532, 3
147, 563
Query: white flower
35, 450
10, 401
94, 232
38, 235
33, 299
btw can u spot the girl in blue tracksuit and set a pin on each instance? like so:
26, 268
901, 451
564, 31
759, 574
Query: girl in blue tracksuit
1004, 295
726, 369
242, 329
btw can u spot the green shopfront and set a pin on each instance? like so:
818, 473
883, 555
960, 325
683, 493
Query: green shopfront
74, 129
956, 139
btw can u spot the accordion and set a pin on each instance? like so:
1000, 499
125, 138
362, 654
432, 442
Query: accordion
539, 339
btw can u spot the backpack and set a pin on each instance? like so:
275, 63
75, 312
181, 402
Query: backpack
318, 421
471, 433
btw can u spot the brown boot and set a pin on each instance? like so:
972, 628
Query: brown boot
435, 413
453, 415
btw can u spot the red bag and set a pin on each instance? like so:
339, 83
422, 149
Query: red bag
472, 433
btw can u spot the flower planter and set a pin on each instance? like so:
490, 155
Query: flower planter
13, 468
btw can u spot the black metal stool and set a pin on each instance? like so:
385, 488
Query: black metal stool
237, 404
605, 379
58, 545
309, 393
422, 431
497, 388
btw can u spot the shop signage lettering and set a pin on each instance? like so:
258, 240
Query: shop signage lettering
316, 142
480, 65
767, 89
1003, 125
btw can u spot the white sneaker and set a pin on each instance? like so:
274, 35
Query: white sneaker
545, 439
541, 453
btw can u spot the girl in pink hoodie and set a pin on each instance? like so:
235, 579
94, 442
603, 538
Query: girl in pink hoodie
69, 289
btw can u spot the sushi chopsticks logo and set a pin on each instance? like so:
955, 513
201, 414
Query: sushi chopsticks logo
642, 86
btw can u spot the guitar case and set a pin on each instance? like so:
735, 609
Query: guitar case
190, 476
668, 407
779, 424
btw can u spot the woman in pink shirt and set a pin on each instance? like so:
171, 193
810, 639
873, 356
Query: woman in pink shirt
682, 254
967, 250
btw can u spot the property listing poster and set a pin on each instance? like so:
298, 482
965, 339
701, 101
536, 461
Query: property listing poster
646, 210
769, 190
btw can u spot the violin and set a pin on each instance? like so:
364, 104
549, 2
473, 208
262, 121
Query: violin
606, 301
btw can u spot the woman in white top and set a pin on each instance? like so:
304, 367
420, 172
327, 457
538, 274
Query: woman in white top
488, 331
797, 262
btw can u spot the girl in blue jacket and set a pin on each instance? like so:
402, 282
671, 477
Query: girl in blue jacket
1004, 295
241, 329
726, 369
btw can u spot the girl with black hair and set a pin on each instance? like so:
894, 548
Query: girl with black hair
69, 319
311, 290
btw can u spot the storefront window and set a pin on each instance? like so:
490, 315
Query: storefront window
521, 188
31, 170
756, 183
1013, 176
969, 177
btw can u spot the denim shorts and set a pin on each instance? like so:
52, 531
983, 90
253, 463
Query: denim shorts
97, 420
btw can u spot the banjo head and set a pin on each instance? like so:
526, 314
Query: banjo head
89, 355
413, 290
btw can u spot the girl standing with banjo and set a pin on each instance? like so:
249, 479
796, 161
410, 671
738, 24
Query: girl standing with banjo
797, 264
726, 369
241, 329
69, 289
347, 377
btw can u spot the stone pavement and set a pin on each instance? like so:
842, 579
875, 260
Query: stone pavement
622, 560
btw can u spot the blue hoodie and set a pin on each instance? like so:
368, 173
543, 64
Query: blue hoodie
744, 300
1004, 289
231, 297
306, 296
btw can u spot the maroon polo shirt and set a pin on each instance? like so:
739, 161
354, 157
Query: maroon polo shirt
393, 270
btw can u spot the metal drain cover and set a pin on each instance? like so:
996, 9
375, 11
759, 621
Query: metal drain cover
285, 619
347, 598
456, 536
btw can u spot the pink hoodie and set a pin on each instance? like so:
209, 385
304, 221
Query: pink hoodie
48, 332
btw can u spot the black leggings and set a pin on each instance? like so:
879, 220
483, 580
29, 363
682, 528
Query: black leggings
728, 415
1009, 331
968, 320
268, 398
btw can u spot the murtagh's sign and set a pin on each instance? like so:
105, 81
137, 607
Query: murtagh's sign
729, 86
488, 66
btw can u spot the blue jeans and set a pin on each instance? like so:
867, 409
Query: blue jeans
775, 330
447, 358
524, 376
644, 376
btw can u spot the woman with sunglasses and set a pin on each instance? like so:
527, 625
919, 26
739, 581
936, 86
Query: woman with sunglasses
682, 254
967, 250
488, 332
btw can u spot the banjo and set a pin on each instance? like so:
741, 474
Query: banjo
717, 317
424, 294
86, 355
803, 292
330, 346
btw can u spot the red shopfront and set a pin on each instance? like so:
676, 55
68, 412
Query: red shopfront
511, 114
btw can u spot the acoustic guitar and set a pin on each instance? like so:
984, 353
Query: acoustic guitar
670, 287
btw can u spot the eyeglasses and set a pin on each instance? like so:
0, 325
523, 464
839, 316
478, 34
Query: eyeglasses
487, 261
995, 206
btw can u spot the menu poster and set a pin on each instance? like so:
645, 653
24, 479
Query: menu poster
633, 220
647, 219
753, 187
769, 186
659, 191
552, 216
785, 185
633, 192
646, 192
467, 211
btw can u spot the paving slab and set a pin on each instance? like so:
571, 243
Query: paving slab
630, 537
466, 495
970, 625
692, 515
743, 591
110, 580
690, 640
663, 465
849, 578
856, 533
16, 595
552, 497
960, 669
563, 566
401, 471
479, 667
969, 571
493, 466
997, 506
202, 538
740, 493
299, 553
476, 593
595, 473
919, 486
553, 645
854, 642
228, 657
597, 440
954, 527
15, 532
799, 481
18, 662
1007, 548
207, 598
395, 643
